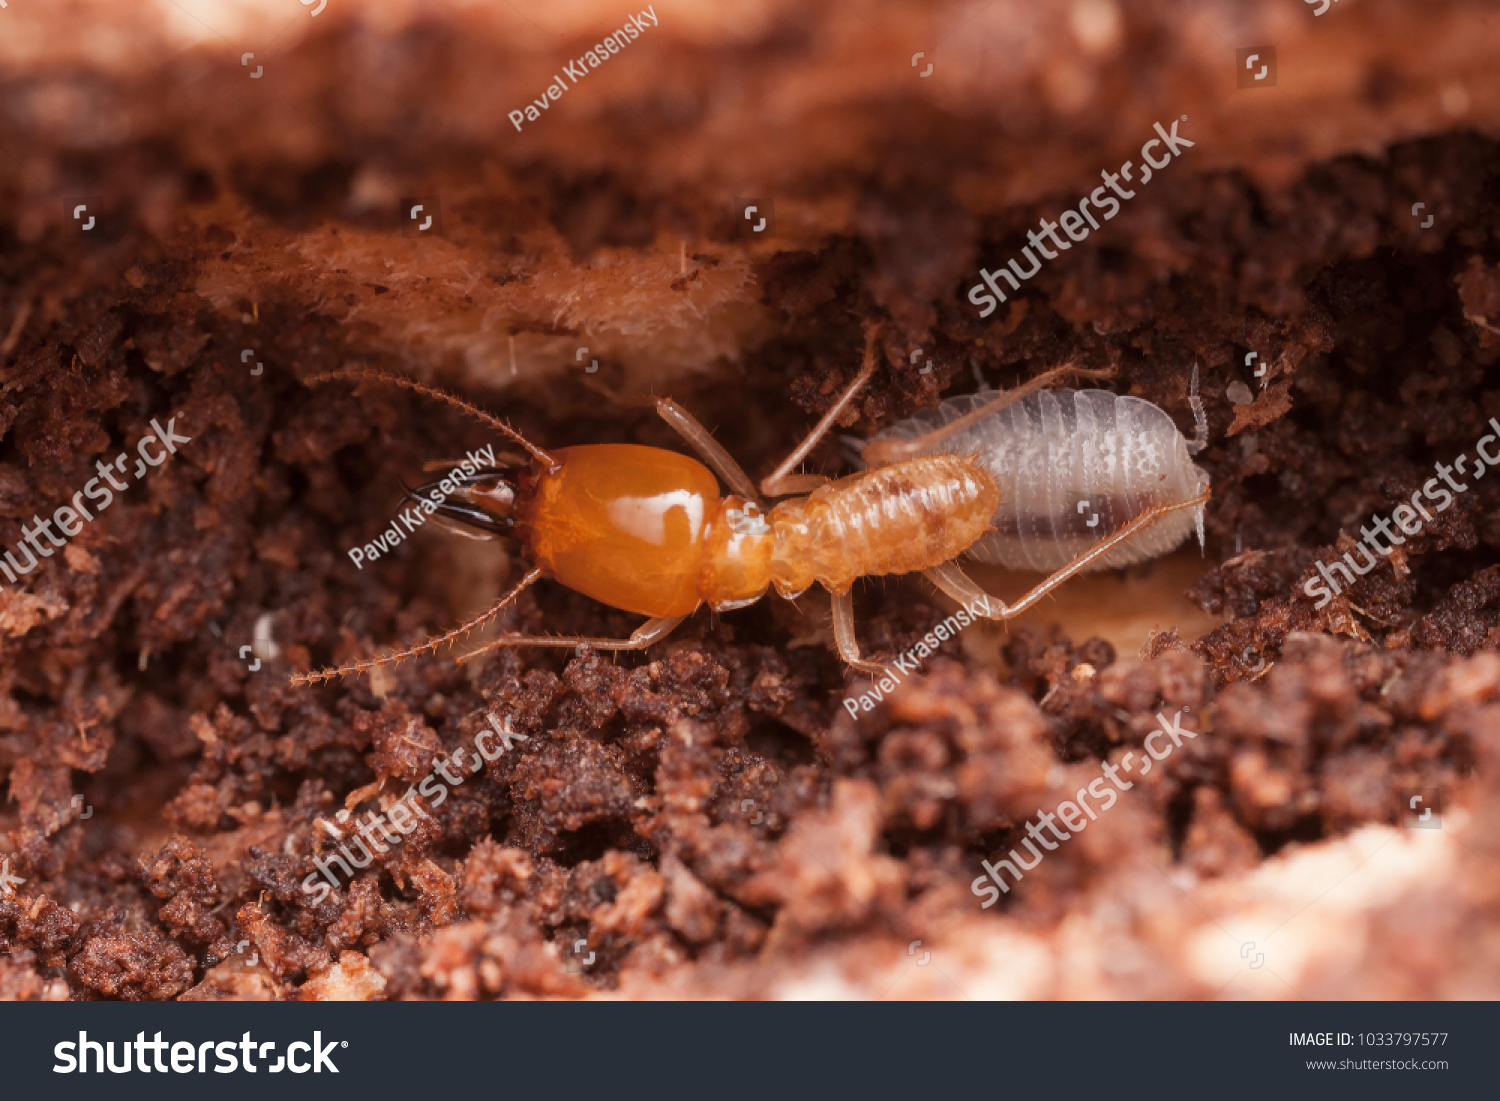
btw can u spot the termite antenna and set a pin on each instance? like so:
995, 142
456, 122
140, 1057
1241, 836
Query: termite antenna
321, 675
1200, 420
366, 374
1195, 445
980, 381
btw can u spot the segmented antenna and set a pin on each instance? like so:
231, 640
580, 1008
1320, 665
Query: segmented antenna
318, 676
1200, 421
366, 374
1195, 445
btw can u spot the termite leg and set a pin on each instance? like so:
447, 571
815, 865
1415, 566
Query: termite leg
648, 633
365, 374
782, 481
843, 634
798, 484
885, 452
955, 583
712, 452
344, 670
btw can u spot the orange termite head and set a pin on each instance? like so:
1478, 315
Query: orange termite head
484, 501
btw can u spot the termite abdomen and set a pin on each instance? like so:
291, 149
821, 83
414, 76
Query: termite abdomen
894, 519
1073, 466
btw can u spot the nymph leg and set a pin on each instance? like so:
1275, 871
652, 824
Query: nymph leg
955, 583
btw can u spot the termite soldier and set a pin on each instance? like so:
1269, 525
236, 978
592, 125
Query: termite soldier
646, 530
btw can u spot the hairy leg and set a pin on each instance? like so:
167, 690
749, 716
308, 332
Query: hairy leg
648, 633
703, 442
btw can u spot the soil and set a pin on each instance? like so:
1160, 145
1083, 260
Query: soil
705, 819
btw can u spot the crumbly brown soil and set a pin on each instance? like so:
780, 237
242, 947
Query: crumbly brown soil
706, 817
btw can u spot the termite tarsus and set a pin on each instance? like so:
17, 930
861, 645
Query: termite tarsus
645, 530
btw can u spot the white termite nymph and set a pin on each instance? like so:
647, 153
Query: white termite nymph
1073, 466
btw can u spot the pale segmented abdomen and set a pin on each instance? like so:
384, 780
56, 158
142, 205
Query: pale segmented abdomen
1063, 458
900, 518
